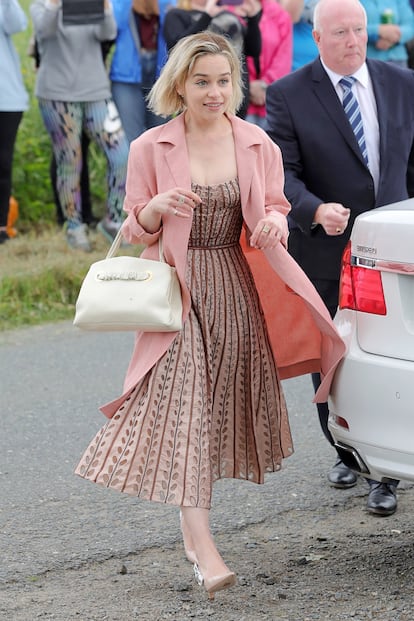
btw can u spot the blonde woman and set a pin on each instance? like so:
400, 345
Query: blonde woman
206, 403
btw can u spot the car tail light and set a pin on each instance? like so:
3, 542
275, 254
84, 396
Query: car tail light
360, 287
341, 422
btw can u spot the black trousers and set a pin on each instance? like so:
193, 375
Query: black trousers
329, 291
9, 124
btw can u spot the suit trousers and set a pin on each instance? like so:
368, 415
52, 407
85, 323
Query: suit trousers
329, 292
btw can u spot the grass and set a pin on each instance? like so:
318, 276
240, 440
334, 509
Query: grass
40, 278
40, 275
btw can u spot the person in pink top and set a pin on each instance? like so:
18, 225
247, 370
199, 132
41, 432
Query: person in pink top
275, 60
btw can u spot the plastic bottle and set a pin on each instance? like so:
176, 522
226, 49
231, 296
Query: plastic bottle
387, 16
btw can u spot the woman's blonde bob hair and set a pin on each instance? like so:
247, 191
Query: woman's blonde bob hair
164, 99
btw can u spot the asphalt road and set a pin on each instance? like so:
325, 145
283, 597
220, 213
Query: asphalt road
53, 378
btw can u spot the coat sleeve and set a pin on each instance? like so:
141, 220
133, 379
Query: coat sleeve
45, 19
140, 188
280, 60
275, 198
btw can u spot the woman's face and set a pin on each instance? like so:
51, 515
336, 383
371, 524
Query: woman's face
208, 89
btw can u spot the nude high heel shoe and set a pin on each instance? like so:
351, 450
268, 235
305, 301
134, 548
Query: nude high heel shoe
215, 583
190, 554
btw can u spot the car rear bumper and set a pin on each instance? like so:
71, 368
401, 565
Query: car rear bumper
375, 396
378, 463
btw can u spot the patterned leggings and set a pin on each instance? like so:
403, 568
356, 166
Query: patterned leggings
64, 122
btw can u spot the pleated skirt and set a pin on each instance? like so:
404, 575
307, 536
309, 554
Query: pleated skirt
212, 407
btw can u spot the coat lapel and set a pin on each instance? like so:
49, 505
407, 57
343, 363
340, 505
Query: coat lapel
245, 157
173, 148
382, 100
174, 171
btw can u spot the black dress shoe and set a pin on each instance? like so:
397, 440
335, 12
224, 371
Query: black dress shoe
382, 499
341, 476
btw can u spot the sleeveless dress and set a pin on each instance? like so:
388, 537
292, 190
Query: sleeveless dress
212, 406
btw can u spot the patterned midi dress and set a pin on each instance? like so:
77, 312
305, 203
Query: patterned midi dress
212, 406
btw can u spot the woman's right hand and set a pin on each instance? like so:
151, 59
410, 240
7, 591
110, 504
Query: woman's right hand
177, 201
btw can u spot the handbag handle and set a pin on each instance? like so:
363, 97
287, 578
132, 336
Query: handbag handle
117, 243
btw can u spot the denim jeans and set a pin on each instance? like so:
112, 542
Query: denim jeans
130, 99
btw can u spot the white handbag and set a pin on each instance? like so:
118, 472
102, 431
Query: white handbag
129, 293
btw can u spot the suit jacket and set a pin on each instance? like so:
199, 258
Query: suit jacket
322, 160
300, 329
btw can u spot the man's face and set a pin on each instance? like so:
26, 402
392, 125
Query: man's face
342, 39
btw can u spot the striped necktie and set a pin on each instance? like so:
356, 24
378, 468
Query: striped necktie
353, 113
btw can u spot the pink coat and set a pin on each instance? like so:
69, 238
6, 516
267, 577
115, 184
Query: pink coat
303, 336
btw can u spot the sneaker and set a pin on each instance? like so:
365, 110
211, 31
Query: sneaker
108, 228
77, 238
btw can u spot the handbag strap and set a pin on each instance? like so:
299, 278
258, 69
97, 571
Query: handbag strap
117, 243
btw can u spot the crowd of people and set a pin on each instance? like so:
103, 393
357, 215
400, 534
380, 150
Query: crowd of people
81, 99
87, 101
226, 132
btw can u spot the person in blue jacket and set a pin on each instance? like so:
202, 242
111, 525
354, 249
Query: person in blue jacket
140, 53
390, 26
304, 47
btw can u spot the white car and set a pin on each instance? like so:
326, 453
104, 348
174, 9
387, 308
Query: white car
372, 397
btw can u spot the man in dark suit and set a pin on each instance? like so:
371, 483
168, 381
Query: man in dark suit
333, 174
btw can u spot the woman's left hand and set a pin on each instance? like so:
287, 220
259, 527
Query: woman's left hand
269, 231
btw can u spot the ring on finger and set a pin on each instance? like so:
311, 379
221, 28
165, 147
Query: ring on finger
175, 212
266, 229
181, 200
